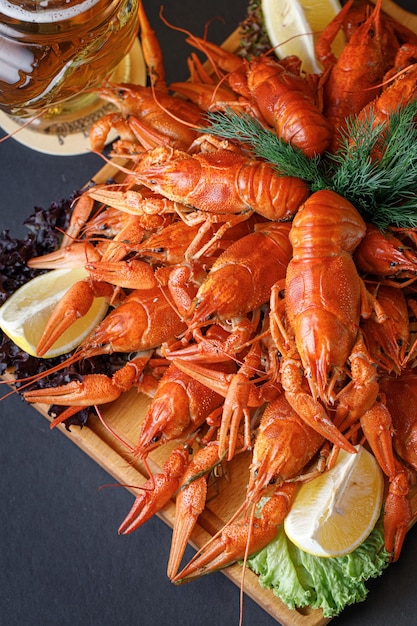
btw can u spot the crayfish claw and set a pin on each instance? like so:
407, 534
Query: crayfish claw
226, 549
156, 491
190, 502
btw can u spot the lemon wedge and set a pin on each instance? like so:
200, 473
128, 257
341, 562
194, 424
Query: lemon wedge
293, 27
334, 513
24, 315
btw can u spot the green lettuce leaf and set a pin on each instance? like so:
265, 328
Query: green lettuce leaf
300, 579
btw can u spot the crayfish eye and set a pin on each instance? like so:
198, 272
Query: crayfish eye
156, 438
273, 481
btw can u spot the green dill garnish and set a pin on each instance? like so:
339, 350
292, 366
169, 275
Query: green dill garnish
375, 167
352, 172
383, 187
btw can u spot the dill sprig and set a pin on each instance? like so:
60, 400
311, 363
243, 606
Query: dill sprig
375, 167
351, 171
264, 144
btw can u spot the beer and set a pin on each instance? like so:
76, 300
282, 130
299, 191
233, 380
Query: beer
52, 50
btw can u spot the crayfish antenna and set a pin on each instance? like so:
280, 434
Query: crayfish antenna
29, 380
245, 560
23, 126
118, 438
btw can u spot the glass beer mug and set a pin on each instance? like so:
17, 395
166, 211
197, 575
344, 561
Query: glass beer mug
54, 54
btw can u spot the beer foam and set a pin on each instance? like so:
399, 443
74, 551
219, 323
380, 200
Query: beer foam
44, 14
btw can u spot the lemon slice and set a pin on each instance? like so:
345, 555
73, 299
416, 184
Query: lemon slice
334, 513
24, 315
293, 27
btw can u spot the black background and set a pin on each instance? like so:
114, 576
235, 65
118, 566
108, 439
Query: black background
61, 559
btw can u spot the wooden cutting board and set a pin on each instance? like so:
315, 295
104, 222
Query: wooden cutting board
125, 416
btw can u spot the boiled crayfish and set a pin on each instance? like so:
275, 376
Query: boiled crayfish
267, 322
